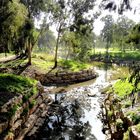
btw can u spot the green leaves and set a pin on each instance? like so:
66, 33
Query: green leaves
123, 88
13, 18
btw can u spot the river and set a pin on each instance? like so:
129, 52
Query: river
74, 113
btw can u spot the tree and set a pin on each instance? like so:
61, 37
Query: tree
12, 15
134, 36
82, 27
46, 41
113, 6
34, 10
61, 18
121, 30
107, 32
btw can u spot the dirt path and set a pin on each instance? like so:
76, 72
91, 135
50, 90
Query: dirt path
4, 59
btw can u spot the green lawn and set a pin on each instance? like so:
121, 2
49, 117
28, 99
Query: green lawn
116, 54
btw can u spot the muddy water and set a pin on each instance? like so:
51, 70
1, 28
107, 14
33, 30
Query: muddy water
74, 113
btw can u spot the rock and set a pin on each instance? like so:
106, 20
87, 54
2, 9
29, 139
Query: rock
40, 87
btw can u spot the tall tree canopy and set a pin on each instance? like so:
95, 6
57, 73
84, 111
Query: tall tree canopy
13, 15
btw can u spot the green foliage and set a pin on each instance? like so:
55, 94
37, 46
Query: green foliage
32, 103
119, 124
135, 117
138, 127
134, 36
17, 84
126, 135
14, 15
123, 88
13, 110
129, 55
25, 111
35, 7
127, 103
46, 42
110, 113
80, 46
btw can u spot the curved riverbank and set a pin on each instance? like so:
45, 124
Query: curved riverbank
74, 112
64, 78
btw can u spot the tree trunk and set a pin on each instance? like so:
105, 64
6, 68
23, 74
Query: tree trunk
29, 51
56, 49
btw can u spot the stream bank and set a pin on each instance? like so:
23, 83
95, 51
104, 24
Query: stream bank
74, 113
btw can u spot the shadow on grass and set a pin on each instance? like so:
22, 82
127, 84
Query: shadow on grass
11, 59
22, 68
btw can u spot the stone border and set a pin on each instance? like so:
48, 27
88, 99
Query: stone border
24, 117
67, 77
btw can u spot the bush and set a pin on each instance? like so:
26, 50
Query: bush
138, 127
134, 117
123, 88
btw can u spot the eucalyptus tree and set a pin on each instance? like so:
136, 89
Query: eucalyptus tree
35, 9
12, 17
46, 41
107, 32
60, 17
120, 6
82, 27
134, 36
121, 30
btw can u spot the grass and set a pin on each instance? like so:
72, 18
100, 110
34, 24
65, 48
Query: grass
130, 55
127, 103
2, 55
119, 73
116, 54
126, 135
43, 63
73, 65
13, 85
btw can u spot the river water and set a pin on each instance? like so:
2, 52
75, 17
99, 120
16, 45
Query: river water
74, 113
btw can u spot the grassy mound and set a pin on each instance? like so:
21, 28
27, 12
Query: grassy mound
12, 85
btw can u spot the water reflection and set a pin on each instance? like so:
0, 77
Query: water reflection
64, 121
74, 114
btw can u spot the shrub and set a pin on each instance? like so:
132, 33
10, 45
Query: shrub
138, 127
134, 117
123, 88
119, 124
12, 85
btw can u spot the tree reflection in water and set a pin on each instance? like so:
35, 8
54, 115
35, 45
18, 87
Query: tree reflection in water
64, 120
